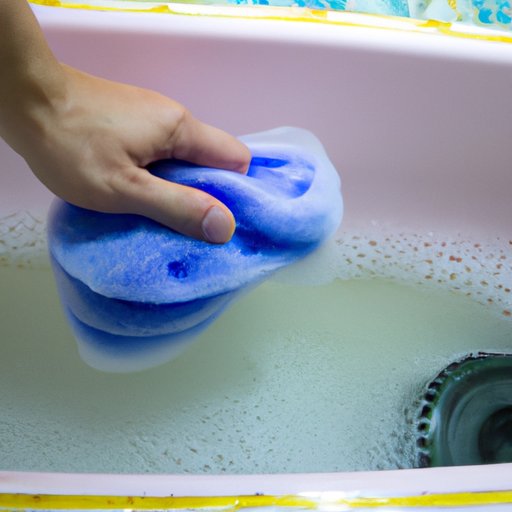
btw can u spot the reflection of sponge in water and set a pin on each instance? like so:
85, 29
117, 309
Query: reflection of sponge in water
136, 292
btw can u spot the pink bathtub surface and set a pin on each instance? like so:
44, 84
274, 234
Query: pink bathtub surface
385, 483
417, 123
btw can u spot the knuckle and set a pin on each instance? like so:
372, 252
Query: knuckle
127, 182
181, 118
182, 115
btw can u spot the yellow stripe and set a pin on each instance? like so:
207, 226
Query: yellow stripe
235, 503
302, 14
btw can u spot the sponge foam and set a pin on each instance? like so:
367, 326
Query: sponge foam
136, 293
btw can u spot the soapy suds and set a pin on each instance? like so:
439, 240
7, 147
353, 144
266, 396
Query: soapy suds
320, 369
23, 240
481, 270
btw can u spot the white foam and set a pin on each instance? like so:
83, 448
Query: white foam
480, 269
23, 240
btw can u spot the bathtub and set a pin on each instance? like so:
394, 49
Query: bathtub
414, 115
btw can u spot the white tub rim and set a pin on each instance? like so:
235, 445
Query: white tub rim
448, 487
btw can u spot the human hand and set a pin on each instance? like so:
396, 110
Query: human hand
89, 140
91, 145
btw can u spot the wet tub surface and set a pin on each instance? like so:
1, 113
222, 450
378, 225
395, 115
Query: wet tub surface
293, 378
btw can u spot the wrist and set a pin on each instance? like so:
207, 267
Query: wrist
30, 76
31, 96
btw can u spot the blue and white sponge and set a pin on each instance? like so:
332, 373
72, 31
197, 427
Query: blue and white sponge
137, 293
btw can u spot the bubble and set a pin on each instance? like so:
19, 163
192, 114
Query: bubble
23, 240
481, 270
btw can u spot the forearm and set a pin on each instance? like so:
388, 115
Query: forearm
31, 78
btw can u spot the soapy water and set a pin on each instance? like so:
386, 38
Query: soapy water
480, 269
319, 369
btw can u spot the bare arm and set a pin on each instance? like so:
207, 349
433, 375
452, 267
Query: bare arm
88, 139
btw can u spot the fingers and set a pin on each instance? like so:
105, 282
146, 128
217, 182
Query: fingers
187, 210
184, 209
203, 144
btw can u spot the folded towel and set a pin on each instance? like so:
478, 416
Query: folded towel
137, 293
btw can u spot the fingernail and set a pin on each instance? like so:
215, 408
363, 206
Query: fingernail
217, 226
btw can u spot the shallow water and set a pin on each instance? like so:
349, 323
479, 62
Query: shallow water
291, 379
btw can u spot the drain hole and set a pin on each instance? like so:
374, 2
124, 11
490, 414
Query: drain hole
466, 413
495, 438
